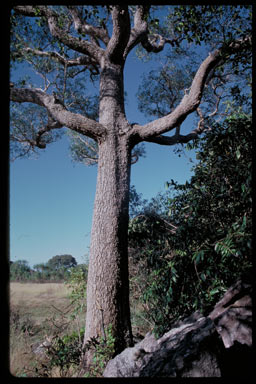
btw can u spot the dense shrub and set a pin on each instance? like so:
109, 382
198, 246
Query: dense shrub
188, 256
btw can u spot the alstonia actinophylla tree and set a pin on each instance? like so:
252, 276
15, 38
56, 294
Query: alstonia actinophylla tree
62, 44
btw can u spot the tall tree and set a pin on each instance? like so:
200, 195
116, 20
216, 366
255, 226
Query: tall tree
98, 40
62, 261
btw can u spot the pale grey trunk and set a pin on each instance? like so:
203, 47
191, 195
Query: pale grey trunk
108, 282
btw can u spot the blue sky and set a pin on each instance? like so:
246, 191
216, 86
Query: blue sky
51, 198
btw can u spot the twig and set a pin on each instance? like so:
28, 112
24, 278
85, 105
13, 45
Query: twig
64, 311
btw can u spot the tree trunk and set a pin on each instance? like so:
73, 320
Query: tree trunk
108, 280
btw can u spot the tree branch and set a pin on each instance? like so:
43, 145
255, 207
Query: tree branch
140, 33
74, 43
189, 102
140, 28
155, 43
84, 60
77, 44
121, 33
29, 10
88, 29
58, 112
175, 139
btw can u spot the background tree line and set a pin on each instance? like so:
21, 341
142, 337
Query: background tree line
57, 268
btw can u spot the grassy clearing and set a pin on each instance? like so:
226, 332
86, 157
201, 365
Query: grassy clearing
32, 295
42, 311
38, 300
37, 311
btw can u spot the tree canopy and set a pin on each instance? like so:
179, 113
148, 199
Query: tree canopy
66, 60
62, 261
57, 268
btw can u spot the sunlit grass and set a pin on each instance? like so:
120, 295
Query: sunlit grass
44, 308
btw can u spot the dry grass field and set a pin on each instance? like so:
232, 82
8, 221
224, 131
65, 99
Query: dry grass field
40, 311
37, 311
38, 300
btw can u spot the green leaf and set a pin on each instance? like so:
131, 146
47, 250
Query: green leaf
244, 222
214, 291
203, 277
238, 154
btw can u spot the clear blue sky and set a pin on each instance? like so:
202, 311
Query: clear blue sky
51, 198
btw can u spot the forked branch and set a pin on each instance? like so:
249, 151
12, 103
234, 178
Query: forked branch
190, 102
59, 112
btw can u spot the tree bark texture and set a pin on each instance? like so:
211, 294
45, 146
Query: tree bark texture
108, 285
108, 281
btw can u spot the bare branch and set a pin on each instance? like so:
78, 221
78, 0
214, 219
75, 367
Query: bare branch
84, 60
155, 43
29, 10
82, 27
140, 28
189, 103
58, 112
121, 33
72, 42
140, 34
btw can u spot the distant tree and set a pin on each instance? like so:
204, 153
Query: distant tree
61, 262
20, 270
42, 271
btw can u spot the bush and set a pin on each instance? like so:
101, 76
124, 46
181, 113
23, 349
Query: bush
65, 352
104, 348
186, 257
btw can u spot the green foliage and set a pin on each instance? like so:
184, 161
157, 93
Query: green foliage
214, 210
77, 284
20, 270
42, 272
58, 268
25, 121
199, 30
62, 354
188, 257
67, 82
104, 348
136, 202
202, 23
162, 89
62, 261
83, 149
65, 352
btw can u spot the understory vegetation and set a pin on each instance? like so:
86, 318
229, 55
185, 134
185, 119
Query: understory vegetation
189, 245
186, 247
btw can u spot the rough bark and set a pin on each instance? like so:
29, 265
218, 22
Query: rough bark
108, 284
108, 281
58, 112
